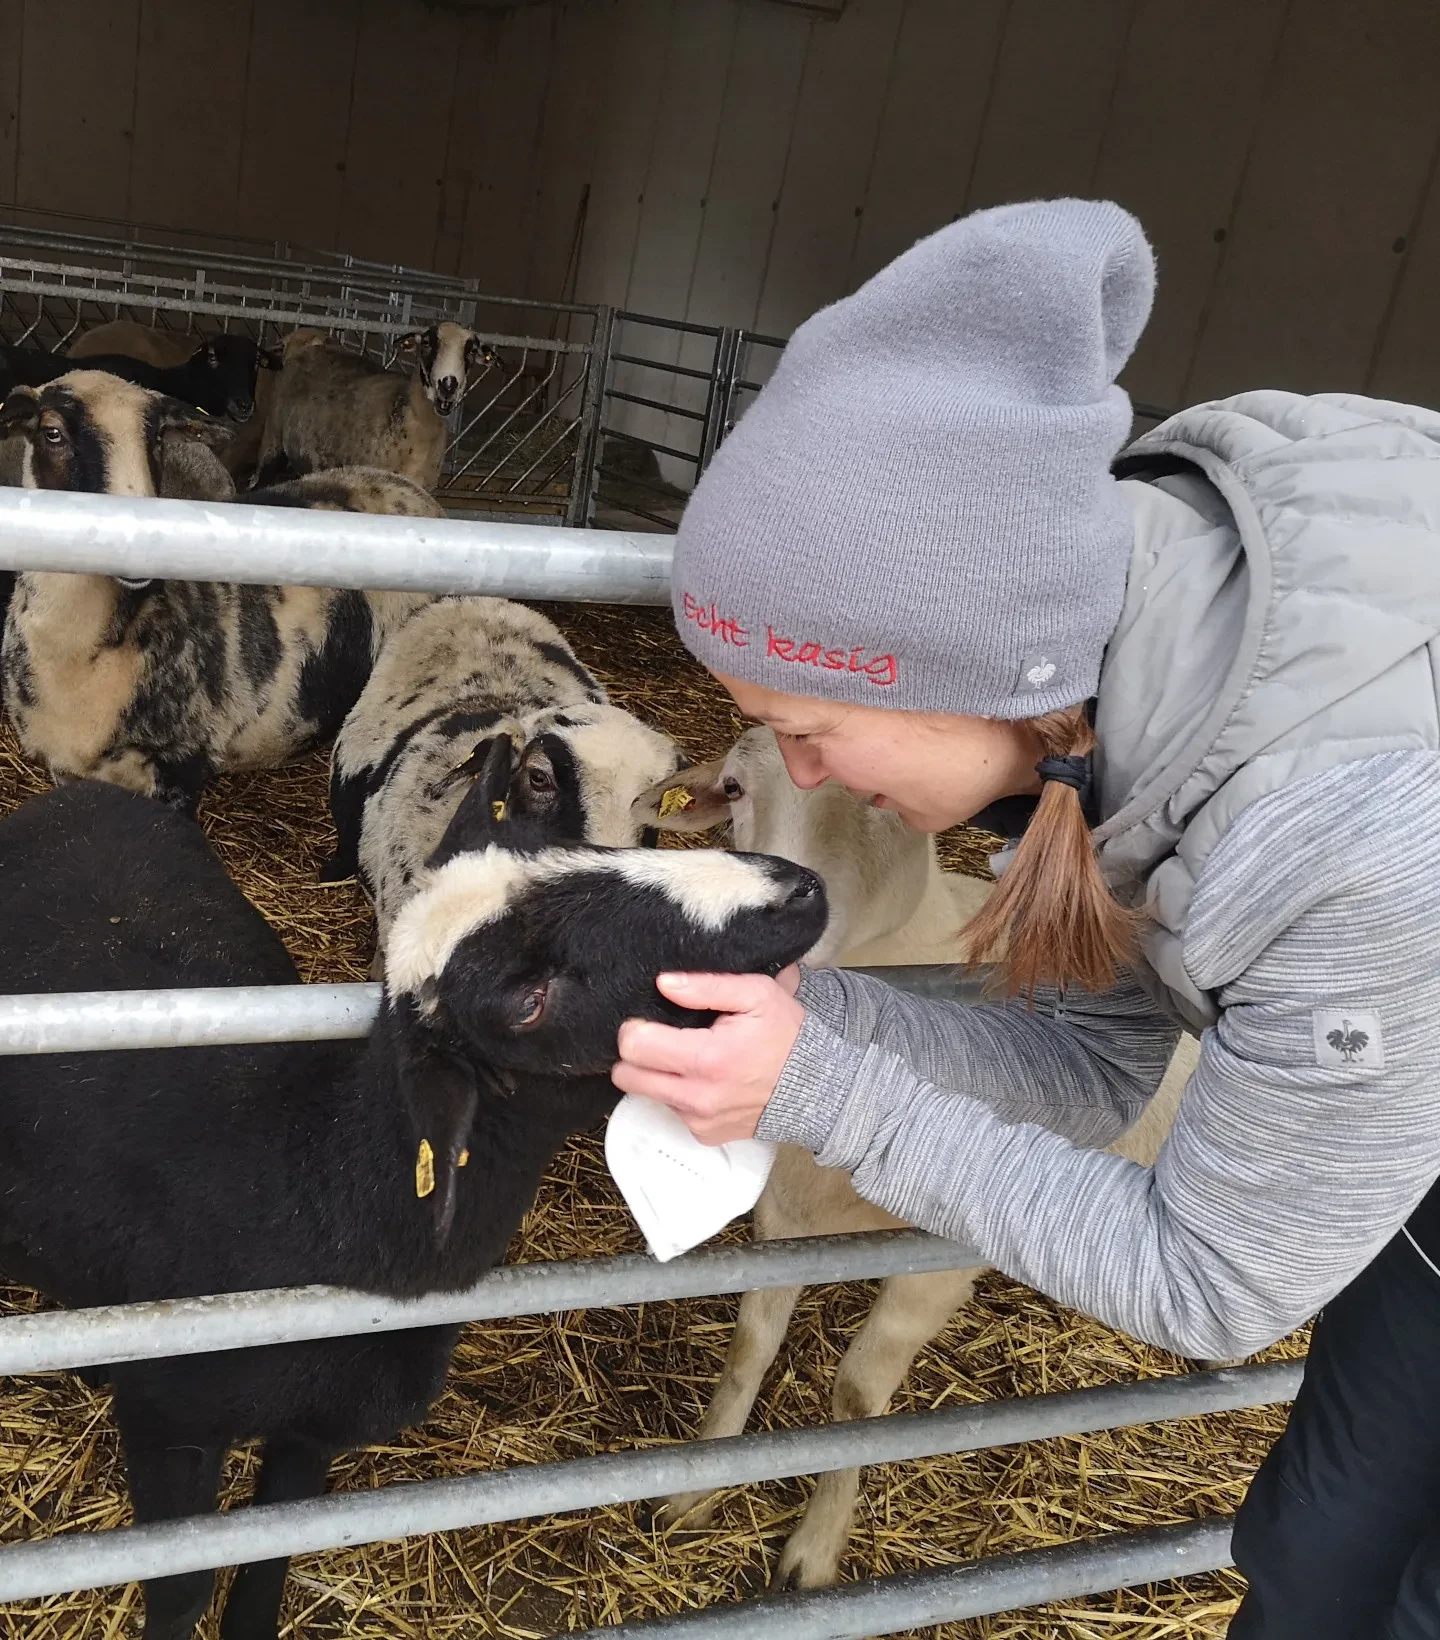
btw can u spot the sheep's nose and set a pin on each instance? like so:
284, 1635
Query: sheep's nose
448, 385
806, 886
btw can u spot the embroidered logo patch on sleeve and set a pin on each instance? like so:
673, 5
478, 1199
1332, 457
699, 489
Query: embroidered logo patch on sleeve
1348, 1041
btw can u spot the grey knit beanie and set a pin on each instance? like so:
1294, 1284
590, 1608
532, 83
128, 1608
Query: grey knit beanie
917, 510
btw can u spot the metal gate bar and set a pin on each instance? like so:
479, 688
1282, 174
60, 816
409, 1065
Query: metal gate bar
58, 1340
979, 1588
215, 1016
90, 1021
63, 1564
230, 541
198, 1017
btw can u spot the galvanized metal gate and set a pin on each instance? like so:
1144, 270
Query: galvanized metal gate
593, 416
184, 540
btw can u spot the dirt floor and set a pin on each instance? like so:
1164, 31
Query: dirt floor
539, 1389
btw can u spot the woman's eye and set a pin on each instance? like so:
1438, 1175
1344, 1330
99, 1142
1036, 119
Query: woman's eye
540, 780
532, 1008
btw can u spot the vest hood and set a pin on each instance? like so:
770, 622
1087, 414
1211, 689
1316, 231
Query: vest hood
1281, 617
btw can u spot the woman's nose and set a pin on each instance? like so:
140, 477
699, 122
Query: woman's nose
803, 763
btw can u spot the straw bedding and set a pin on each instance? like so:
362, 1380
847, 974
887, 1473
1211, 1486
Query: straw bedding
547, 1388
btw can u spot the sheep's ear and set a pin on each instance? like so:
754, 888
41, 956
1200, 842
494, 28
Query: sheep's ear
20, 413
186, 421
190, 470
688, 800
440, 1091
484, 812
478, 353
269, 358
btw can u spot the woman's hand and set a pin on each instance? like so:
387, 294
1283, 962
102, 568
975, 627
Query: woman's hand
719, 1080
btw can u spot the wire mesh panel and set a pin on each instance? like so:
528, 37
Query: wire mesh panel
518, 446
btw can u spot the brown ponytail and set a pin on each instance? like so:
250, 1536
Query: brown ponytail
1052, 914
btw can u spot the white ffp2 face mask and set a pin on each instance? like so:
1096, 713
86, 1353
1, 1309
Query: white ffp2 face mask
680, 1191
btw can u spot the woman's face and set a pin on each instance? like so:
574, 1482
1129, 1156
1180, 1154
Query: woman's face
933, 769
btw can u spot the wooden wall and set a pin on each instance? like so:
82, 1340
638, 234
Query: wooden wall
745, 162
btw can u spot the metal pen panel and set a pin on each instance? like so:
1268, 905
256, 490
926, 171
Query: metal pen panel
948, 1594
56, 1340
93, 1560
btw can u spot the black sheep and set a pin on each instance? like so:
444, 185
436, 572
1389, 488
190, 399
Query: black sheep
127, 1176
218, 377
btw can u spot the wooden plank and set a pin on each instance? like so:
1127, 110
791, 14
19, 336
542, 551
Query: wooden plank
189, 113
500, 212
464, 169
634, 73
297, 115
405, 74
847, 75
945, 61
1050, 99
1335, 181
743, 197
77, 78
1407, 354
12, 28
742, 201
1191, 93
687, 131
567, 145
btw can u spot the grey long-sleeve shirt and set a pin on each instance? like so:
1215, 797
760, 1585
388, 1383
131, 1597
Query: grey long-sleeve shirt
1297, 1152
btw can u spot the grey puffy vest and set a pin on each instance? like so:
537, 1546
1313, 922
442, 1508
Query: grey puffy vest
1289, 624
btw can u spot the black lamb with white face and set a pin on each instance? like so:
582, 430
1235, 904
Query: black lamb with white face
401, 1164
534, 959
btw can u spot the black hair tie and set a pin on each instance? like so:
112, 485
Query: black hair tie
1068, 771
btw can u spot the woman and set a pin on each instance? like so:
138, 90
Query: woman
1210, 681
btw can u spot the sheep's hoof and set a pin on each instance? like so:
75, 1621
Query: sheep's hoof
685, 1515
794, 1573
333, 872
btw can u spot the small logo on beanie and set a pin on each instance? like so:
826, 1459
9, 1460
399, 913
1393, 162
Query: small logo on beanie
1035, 672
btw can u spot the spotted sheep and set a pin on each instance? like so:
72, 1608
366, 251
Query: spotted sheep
400, 1164
458, 675
159, 685
331, 407
888, 902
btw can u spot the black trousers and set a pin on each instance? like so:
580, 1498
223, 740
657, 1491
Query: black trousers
1339, 1537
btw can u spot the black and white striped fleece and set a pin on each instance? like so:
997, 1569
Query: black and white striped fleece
1298, 1150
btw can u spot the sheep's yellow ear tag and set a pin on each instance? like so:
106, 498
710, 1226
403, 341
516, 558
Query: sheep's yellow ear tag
464, 1159
424, 1169
497, 808
676, 801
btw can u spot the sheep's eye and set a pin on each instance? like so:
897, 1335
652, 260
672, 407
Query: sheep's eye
532, 1008
52, 435
540, 780
214, 361
732, 788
